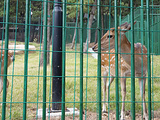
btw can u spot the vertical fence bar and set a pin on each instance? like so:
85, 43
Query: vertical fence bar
152, 38
87, 42
41, 32
44, 57
16, 26
63, 59
132, 63
81, 60
57, 57
26, 59
149, 59
5, 59
99, 57
109, 60
76, 37
142, 42
3, 24
116, 59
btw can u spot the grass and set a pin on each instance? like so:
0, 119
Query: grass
14, 109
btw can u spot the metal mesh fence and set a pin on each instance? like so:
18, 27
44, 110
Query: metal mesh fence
59, 59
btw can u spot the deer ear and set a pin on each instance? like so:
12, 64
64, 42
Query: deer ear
125, 27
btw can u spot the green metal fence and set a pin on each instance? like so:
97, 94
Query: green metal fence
154, 25
30, 76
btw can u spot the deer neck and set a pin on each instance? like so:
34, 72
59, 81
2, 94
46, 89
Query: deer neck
125, 49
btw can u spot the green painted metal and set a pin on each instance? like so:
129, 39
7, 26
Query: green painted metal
63, 59
5, 60
13, 62
87, 62
116, 60
142, 42
109, 61
81, 60
132, 63
148, 58
144, 31
152, 38
156, 22
99, 59
45, 57
41, 32
75, 67
26, 60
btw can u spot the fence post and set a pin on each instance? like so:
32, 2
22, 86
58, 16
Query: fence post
26, 60
132, 62
81, 60
99, 59
116, 59
5, 60
45, 57
57, 56
148, 58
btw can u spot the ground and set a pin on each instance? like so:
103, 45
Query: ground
112, 115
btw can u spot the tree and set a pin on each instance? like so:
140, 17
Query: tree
48, 40
92, 14
75, 31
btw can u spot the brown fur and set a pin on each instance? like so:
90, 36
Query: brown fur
10, 60
124, 47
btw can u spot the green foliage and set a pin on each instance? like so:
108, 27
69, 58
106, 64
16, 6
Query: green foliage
1, 8
72, 7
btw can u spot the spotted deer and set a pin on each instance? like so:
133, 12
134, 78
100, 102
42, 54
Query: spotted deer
124, 46
10, 60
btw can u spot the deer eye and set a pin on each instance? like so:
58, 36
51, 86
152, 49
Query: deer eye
110, 36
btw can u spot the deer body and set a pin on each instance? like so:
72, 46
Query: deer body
10, 60
124, 46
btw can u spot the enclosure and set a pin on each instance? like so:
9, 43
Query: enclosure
48, 63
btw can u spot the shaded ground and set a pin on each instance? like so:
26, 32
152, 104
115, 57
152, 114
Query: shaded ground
112, 116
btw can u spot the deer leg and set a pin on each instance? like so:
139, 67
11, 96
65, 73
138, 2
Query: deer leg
105, 73
108, 86
7, 87
123, 91
1, 84
142, 83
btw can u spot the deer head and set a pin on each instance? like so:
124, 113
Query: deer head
10, 59
108, 40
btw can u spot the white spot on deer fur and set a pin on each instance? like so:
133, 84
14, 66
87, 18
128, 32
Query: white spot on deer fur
102, 60
123, 65
112, 58
105, 58
106, 51
102, 54
107, 67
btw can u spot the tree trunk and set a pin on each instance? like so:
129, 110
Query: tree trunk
92, 13
48, 40
75, 31
95, 38
102, 21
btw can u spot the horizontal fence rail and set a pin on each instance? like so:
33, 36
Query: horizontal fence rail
79, 59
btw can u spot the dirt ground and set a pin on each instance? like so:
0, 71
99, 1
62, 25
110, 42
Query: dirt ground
112, 116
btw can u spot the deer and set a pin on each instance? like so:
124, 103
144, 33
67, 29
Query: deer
124, 46
10, 60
